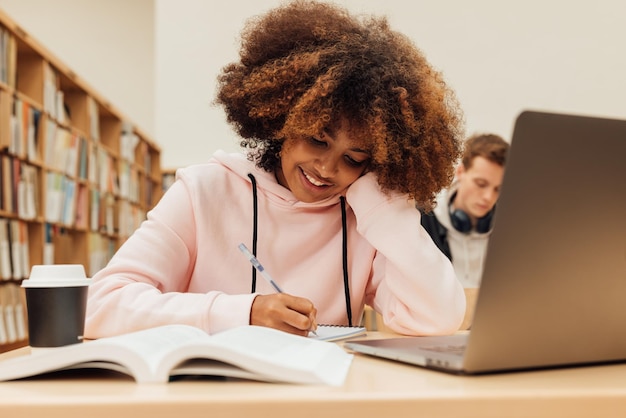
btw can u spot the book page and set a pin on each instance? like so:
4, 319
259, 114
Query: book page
206, 367
136, 354
154, 344
268, 355
75, 356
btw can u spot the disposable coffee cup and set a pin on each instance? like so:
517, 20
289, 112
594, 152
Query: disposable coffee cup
56, 303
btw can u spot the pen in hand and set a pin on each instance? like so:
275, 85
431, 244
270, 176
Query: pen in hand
257, 265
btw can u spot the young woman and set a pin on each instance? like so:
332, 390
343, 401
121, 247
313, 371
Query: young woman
345, 127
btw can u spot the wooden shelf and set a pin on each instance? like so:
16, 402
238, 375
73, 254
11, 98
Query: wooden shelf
77, 176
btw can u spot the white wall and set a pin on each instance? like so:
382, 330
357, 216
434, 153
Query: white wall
499, 56
108, 43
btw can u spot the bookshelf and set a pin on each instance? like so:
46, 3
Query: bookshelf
168, 176
76, 176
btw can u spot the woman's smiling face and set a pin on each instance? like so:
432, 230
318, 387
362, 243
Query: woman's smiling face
316, 168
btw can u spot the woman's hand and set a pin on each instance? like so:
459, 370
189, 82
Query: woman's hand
284, 312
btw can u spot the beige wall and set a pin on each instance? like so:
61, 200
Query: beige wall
108, 43
499, 56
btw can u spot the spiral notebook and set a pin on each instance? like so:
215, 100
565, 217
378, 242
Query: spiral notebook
336, 332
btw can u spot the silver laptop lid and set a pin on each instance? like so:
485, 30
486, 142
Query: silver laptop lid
554, 285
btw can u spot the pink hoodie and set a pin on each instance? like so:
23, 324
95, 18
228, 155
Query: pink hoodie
183, 264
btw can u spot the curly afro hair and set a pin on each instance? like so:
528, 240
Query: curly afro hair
305, 66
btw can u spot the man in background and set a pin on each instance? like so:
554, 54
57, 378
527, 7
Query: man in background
461, 222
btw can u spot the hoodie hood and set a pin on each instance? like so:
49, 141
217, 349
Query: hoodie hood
239, 164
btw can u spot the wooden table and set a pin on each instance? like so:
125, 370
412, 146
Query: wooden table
374, 388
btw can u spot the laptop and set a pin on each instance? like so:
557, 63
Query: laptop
553, 291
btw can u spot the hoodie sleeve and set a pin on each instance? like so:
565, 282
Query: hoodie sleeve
146, 282
413, 284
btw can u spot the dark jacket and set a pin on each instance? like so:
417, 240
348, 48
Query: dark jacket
437, 232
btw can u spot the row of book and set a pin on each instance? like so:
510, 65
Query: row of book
12, 314
14, 249
24, 127
19, 187
64, 150
68, 202
15, 261
62, 202
8, 54
25, 120
130, 217
70, 153
101, 249
53, 97
72, 204
67, 152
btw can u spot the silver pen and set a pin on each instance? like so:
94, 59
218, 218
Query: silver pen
257, 265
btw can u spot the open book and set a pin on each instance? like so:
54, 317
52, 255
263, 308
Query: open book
157, 354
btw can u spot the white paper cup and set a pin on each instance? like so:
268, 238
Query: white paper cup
56, 302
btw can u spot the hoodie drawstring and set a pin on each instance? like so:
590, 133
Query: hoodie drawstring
344, 256
255, 226
344, 252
